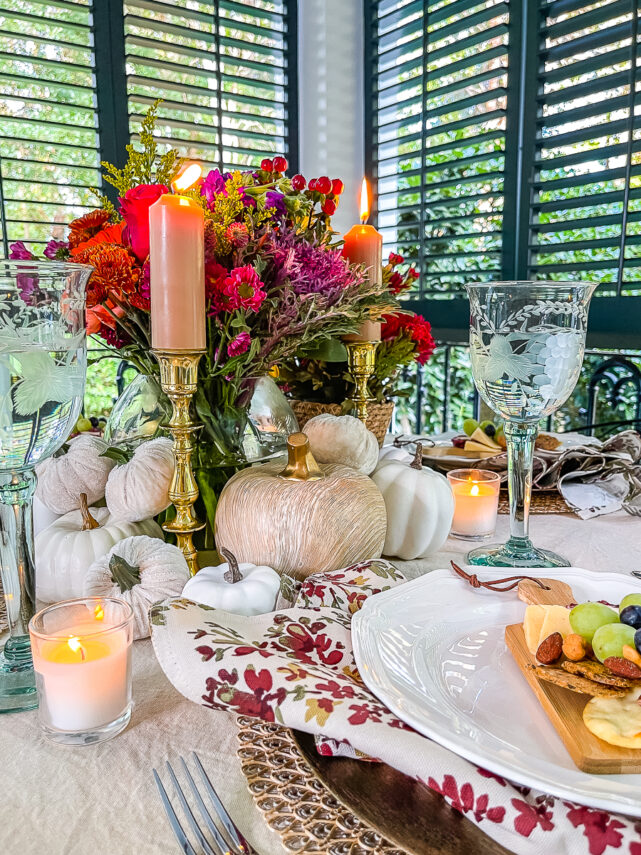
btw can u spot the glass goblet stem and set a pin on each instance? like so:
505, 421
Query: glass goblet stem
17, 569
519, 437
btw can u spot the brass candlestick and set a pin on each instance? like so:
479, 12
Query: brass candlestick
179, 378
361, 358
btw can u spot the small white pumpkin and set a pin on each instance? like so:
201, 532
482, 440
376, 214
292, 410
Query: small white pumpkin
139, 489
393, 452
62, 479
419, 504
42, 516
342, 439
243, 589
141, 571
66, 549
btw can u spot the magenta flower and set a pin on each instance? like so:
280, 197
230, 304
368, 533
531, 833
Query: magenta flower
277, 201
56, 249
239, 345
19, 252
242, 289
213, 185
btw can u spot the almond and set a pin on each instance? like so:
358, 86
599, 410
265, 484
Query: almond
574, 647
550, 649
623, 667
632, 654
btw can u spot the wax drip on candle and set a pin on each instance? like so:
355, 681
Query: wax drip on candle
75, 645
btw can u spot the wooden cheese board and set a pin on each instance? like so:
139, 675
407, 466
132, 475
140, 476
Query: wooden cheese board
564, 707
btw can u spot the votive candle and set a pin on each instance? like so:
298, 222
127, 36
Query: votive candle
476, 502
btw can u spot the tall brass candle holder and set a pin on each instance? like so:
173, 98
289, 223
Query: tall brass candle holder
361, 357
179, 378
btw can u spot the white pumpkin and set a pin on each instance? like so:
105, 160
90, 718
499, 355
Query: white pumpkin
420, 507
243, 589
393, 452
342, 439
42, 516
62, 479
68, 547
139, 489
141, 571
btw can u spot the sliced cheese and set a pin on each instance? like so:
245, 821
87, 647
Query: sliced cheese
476, 446
557, 619
483, 439
532, 623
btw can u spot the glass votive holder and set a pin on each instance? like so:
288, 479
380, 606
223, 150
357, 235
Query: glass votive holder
476, 502
82, 658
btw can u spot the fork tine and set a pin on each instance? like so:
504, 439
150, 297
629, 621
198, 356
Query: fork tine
190, 816
240, 842
185, 845
223, 845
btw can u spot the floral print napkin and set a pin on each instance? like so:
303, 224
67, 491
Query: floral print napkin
295, 666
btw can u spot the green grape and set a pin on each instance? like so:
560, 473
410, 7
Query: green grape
586, 618
609, 640
469, 426
485, 424
630, 600
499, 431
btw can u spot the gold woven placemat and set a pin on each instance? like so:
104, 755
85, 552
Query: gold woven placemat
296, 804
542, 503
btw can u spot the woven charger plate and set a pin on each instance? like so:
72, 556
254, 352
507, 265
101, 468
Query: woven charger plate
543, 502
339, 806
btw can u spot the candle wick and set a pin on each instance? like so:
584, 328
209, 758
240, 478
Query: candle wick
82, 654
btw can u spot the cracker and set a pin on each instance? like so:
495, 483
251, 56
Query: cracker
596, 671
616, 721
577, 684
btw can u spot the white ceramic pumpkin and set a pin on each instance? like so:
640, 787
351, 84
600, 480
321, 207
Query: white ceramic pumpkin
393, 452
140, 570
62, 479
420, 507
342, 439
139, 489
301, 519
42, 516
243, 589
68, 547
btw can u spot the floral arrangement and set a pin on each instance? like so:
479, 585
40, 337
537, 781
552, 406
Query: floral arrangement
276, 281
406, 338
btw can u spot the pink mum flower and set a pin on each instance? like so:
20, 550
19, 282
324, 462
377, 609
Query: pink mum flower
239, 345
242, 289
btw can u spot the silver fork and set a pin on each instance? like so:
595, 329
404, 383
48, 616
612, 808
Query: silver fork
238, 844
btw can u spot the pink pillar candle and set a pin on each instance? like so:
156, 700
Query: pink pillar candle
177, 273
364, 245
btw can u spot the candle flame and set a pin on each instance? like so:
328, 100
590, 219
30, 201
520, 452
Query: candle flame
99, 612
74, 644
475, 490
187, 177
364, 201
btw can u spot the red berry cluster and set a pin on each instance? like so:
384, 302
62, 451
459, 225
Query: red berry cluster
328, 189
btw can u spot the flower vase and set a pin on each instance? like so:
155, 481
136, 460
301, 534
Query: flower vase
139, 413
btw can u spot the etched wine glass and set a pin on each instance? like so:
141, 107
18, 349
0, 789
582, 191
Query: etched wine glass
43, 363
527, 341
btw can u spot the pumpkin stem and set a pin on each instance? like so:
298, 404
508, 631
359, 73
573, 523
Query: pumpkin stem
301, 464
88, 522
232, 575
123, 573
417, 463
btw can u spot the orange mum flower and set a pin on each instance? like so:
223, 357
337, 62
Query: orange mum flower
115, 271
85, 227
110, 234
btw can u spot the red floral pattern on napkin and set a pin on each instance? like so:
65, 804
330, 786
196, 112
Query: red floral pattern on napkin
296, 667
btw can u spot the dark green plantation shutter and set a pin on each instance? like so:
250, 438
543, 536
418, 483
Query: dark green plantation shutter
586, 209
76, 76
48, 121
506, 142
221, 68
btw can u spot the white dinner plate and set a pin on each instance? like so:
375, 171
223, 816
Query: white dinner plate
433, 651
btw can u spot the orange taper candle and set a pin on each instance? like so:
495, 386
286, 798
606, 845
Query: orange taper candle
364, 245
177, 270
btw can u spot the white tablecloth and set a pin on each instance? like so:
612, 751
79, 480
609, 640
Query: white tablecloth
102, 800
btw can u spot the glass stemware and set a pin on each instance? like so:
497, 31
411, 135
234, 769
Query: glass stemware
42, 379
527, 341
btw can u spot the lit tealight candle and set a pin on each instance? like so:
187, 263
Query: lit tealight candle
177, 268
82, 660
364, 245
476, 502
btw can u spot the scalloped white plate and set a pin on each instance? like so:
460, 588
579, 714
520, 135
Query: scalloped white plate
433, 651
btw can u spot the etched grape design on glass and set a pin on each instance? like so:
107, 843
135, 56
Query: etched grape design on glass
527, 341
42, 379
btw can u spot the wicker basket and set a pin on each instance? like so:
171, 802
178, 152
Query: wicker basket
379, 416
